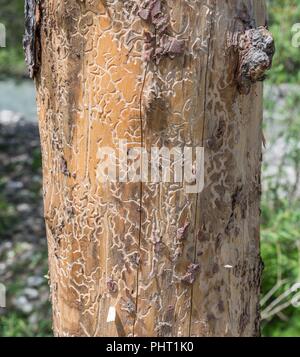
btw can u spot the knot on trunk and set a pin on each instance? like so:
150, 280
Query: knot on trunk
256, 49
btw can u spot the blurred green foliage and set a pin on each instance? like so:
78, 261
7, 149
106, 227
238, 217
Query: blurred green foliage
283, 14
11, 57
281, 253
281, 214
7, 216
15, 325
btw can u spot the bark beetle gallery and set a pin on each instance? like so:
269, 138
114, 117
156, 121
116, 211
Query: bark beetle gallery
150, 259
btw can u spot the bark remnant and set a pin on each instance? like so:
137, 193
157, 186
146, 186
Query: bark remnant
31, 42
160, 43
256, 51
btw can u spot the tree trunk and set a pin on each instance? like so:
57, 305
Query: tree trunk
138, 258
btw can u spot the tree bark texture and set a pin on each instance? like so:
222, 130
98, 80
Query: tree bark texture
171, 263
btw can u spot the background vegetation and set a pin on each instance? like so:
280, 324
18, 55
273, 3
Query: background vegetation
281, 173
11, 58
280, 202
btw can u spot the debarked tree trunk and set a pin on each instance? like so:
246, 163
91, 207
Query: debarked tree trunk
151, 258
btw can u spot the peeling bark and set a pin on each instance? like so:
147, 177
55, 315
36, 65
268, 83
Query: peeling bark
170, 263
31, 41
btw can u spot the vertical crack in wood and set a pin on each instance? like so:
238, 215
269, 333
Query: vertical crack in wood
141, 194
202, 139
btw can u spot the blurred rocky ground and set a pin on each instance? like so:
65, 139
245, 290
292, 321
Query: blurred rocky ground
23, 252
